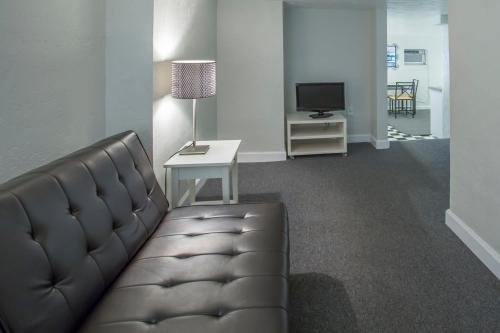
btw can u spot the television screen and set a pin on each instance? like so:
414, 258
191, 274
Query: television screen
320, 96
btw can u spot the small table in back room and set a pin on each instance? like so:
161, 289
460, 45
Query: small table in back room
221, 161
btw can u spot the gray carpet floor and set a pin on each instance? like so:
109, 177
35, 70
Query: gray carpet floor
420, 125
369, 248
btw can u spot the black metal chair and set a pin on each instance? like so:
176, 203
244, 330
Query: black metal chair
404, 98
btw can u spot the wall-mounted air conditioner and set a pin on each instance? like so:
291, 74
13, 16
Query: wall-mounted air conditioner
415, 57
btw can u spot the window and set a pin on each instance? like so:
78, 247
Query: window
392, 56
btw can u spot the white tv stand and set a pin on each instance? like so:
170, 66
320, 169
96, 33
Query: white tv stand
307, 136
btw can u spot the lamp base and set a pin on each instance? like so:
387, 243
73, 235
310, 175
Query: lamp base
195, 150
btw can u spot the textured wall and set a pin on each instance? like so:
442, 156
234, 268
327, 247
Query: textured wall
475, 116
51, 80
129, 68
379, 113
250, 75
319, 49
183, 29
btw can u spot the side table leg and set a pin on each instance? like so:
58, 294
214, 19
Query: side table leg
226, 188
192, 191
234, 176
174, 185
168, 186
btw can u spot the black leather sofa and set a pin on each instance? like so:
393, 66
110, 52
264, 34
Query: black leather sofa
87, 245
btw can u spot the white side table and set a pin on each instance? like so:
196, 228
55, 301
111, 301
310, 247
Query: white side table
221, 161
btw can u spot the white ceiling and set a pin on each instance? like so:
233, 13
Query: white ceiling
395, 7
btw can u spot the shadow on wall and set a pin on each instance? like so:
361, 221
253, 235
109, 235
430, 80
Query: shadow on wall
320, 303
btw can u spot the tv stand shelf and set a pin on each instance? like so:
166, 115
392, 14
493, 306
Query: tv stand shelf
308, 136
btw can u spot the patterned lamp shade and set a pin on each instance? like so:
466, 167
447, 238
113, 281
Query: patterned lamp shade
192, 79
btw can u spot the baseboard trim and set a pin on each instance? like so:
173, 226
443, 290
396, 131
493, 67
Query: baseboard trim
380, 144
474, 242
199, 184
259, 157
358, 138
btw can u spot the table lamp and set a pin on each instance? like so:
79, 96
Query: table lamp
193, 79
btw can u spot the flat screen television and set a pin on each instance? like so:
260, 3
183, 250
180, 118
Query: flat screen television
320, 98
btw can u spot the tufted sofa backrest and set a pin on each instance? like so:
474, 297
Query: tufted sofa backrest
69, 228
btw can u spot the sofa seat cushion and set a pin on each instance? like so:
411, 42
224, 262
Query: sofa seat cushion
205, 269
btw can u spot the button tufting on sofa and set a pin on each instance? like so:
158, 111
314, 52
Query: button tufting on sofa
183, 257
53, 281
152, 322
139, 209
122, 265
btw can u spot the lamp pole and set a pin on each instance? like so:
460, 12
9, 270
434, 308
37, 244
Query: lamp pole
194, 122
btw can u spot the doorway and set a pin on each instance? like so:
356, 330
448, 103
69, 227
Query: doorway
417, 75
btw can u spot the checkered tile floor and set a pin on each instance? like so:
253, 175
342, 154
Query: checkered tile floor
395, 135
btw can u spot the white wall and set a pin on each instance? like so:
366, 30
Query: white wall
379, 114
129, 68
417, 32
333, 45
446, 81
51, 80
250, 76
475, 123
183, 29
